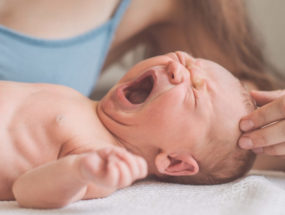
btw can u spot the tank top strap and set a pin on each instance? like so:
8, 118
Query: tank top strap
123, 5
75, 62
114, 22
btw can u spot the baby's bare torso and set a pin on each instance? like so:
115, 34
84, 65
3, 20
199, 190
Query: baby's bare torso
34, 132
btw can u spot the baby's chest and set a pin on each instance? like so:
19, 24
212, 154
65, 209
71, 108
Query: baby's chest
27, 144
26, 141
22, 150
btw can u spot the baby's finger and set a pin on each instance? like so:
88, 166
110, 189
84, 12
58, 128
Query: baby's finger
130, 160
264, 137
112, 173
125, 177
91, 166
264, 97
143, 170
275, 150
268, 113
104, 152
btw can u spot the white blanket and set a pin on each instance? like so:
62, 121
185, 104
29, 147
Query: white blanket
258, 193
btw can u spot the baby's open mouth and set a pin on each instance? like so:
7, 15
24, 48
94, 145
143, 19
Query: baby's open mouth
139, 90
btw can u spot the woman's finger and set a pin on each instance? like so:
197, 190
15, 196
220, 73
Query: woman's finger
264, 97
275, 150
264, 115
264, 137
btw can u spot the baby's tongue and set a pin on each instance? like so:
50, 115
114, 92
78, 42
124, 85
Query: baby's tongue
137, 96
138, 92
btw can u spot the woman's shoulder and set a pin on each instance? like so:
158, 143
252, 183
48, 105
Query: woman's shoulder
142, 14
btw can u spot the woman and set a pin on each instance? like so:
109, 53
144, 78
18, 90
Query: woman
67, 42
264, 129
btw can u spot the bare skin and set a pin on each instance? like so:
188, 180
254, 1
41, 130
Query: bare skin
24, 16
86, 160
74, 149
264, 127
77, 17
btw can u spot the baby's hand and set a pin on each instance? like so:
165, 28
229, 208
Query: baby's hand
112, 167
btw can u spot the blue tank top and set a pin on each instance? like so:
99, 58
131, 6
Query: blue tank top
75, 62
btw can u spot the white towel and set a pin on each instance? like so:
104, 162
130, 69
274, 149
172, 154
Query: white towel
254, 194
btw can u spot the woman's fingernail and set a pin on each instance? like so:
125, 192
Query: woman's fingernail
245, 143
246, 125
257, 150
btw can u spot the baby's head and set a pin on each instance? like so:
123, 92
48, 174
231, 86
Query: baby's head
182, 115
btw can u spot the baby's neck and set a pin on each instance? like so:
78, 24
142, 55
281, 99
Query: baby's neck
103, 135
110, 133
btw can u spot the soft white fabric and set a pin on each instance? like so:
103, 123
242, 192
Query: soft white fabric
259, 193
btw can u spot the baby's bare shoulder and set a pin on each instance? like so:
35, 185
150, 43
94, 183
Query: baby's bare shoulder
60, 111
71, 114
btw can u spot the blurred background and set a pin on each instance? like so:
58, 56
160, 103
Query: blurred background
268, 18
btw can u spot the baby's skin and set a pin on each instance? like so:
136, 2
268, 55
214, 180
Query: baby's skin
58, 147
54, 150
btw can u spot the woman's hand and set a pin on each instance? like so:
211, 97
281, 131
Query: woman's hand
265, 127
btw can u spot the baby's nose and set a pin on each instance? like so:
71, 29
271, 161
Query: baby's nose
174, 72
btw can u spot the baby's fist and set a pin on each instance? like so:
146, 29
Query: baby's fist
113, 167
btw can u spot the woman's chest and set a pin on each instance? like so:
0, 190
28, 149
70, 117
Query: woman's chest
51, 19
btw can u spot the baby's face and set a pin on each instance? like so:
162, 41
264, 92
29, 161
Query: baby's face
174, 102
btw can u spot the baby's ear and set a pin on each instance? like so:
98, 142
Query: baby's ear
180, 164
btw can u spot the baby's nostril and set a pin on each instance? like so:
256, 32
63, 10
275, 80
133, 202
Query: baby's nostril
172, 76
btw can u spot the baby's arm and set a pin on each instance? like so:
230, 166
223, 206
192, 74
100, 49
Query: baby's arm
68, 179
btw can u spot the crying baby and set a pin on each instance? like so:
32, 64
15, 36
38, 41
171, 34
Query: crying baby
171, 116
